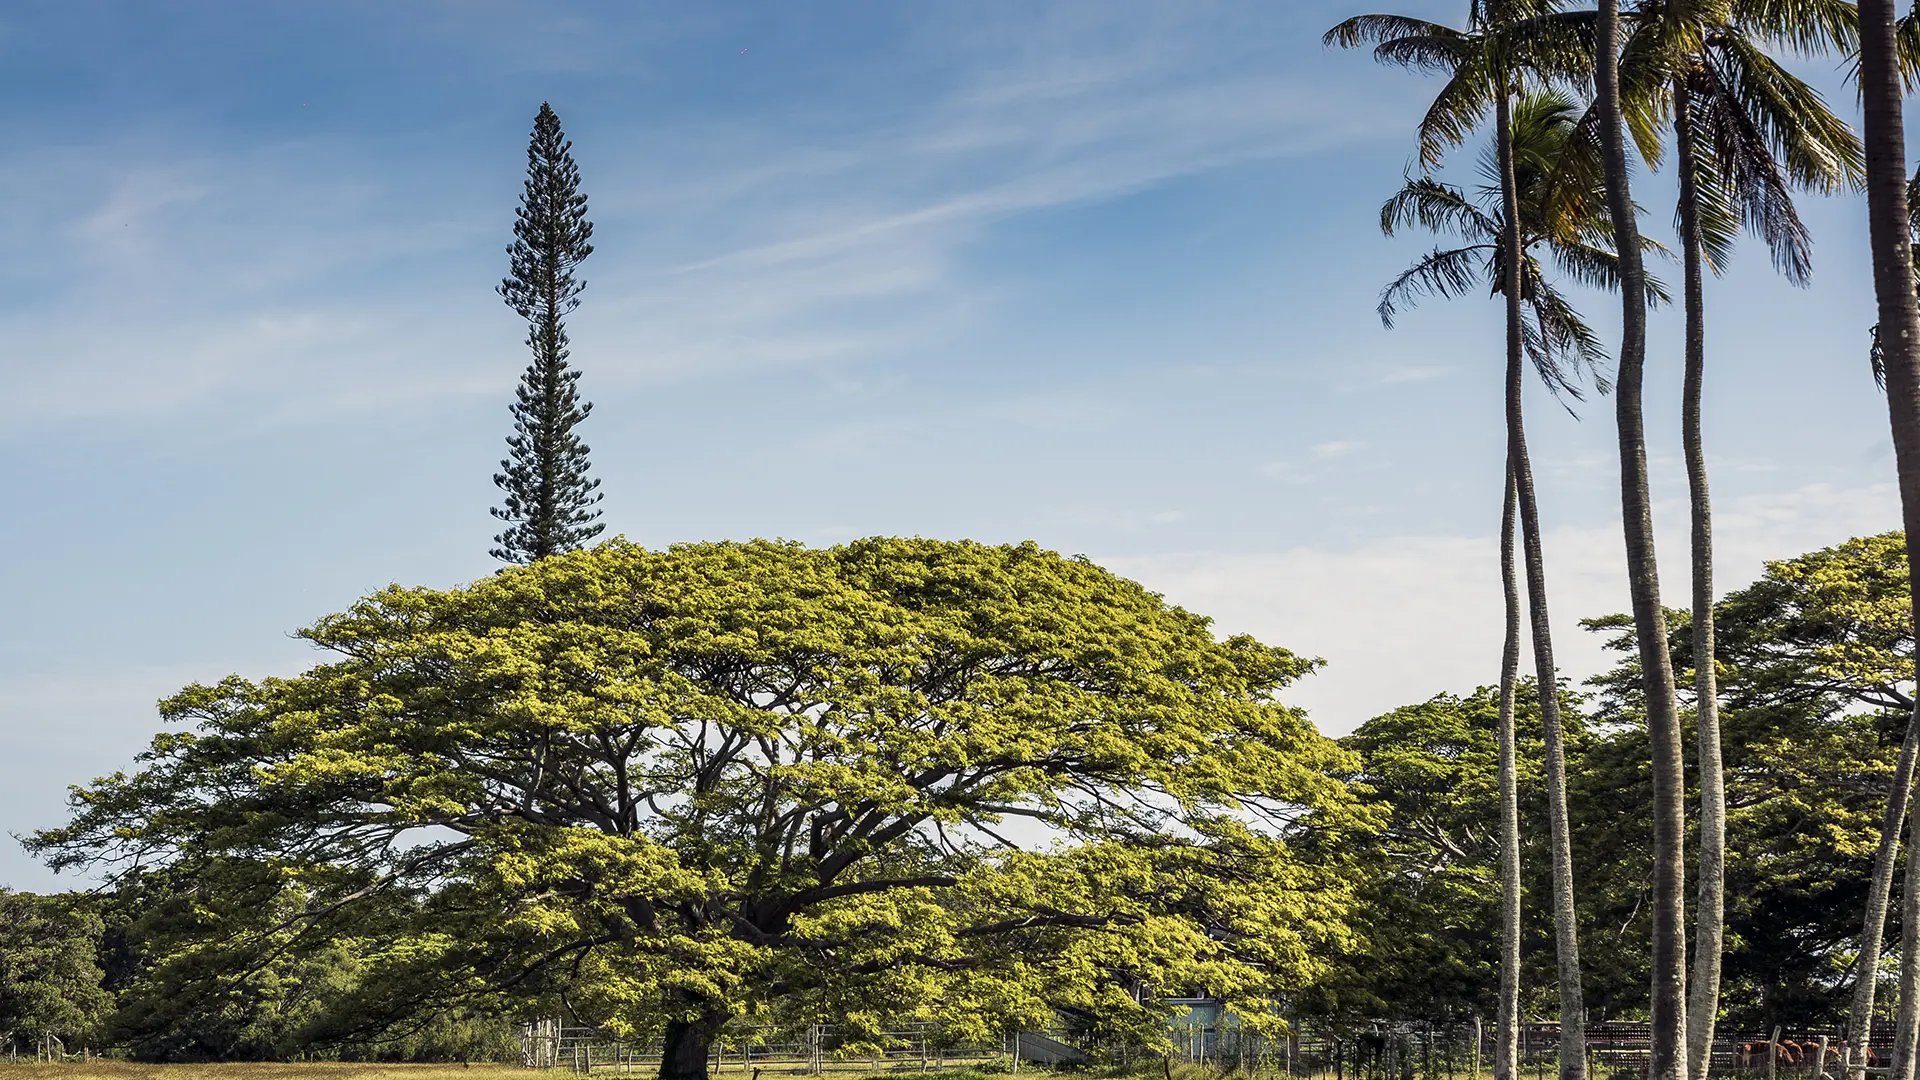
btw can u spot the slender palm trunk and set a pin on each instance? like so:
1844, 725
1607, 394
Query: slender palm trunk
1866, 978
1709, 920
1888, 225
1669, 989
1506, 1061
1906, 1025
1566, 934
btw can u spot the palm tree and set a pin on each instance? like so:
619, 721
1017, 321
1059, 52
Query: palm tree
1505, 42
1523, 172
1669, 960
1506, 1065
1899, 310
1894, 815
1460, 105
1746, 133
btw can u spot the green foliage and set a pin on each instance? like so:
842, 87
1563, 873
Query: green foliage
1430, 885
757, 780
215, 960
1816, 676
49, 975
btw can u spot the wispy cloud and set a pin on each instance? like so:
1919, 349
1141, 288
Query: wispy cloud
1322, 459
1333, 451
304, 270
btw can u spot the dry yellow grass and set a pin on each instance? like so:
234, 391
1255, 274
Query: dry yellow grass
255, 1070
329, 1070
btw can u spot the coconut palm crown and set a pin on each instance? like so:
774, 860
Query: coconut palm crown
1568, 226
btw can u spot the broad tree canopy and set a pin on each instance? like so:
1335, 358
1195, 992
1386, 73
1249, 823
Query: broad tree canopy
881, 782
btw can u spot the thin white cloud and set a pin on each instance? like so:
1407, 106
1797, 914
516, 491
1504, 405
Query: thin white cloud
768, 248
1396, 374
1336, 449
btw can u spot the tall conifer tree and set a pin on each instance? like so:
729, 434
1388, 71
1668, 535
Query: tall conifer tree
549, 498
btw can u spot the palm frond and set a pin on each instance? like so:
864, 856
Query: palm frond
1820, 150
1755, 179
1557, 46
1573, 343
1906, 42
1913, 207
1567, 190
1428, 53
1443, 272
1808, 27
1379, 29
1437, 208
1597, 267
1460, 107
1647, 67
1547, 355
1715, 206
1907, 47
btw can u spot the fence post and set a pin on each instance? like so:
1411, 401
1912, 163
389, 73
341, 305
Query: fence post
1773, 1050
1476, 1048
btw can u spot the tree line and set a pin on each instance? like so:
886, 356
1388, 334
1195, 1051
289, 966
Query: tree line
280, 921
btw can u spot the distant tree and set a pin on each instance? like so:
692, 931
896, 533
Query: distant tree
225, 959
1816, 663
1429, 879
207, 963
49, 974
549, 498
894, 781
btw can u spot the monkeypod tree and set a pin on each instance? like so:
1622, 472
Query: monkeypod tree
888, 781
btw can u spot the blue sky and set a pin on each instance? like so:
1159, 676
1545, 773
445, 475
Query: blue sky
1095, 272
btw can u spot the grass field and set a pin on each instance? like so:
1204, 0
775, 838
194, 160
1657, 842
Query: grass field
329, 1070
257, 1070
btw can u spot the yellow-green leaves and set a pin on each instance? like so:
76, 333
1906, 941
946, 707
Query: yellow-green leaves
882, 781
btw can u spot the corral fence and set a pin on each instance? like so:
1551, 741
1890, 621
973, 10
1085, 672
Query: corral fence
1202, 1034
1401, 1051
46, 1047
814, 1050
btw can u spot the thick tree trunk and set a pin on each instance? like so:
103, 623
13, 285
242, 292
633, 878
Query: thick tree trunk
1888, 225
1669, 982
1709, 920
1873, 931
1506, 1060
1566, 933
687, 1046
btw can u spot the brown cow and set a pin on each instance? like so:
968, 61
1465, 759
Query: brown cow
1839, 1051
